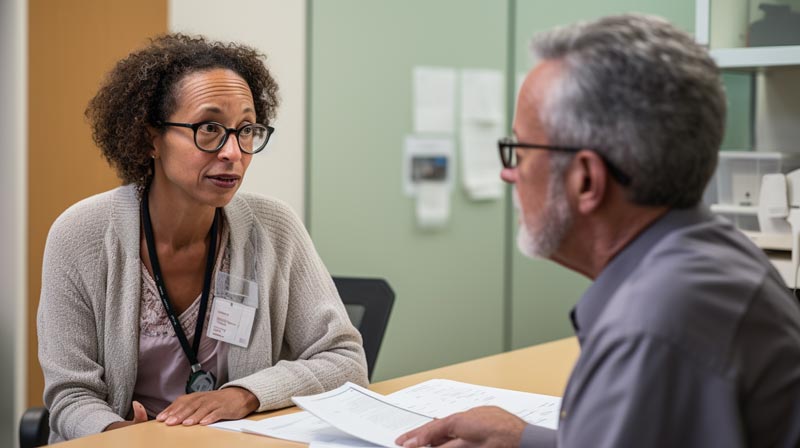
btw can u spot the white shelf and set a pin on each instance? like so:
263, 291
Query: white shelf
771, 241
769, 156
734, 209
752, 58
783, 263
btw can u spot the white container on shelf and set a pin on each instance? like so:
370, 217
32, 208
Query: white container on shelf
734, 190
738, 176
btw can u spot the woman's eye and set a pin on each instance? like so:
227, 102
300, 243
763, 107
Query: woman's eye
209, 128
246, 130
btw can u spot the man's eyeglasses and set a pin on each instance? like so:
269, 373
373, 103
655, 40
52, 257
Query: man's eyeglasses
210, 136
508, 147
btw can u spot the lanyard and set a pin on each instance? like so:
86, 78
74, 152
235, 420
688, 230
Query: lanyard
191, 352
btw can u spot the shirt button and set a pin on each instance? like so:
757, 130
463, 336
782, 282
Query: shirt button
563, 414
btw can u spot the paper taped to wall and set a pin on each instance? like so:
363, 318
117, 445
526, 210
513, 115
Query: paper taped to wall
482, 120
434, 100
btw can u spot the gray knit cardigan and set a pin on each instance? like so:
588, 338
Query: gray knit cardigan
88, 322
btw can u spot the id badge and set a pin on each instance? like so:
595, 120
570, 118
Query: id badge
236, 289
231, 322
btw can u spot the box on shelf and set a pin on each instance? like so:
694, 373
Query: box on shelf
734, 190
737, 181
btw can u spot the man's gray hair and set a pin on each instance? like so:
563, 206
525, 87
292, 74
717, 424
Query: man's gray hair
644, 95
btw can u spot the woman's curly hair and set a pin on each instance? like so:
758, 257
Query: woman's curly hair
141, 91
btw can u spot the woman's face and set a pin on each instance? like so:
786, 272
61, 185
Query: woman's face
187, 175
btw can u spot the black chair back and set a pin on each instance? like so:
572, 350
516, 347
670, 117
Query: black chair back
34, 428
369, 303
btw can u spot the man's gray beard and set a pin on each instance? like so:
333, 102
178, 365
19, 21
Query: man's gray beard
554, 222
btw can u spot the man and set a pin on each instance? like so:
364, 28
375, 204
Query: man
688, 336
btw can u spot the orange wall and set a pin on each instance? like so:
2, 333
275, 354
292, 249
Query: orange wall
72, 44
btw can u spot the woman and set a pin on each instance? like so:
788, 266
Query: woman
173, 297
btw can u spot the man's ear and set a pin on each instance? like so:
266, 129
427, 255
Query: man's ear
588, 181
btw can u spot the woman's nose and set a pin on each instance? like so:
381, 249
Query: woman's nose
230, 151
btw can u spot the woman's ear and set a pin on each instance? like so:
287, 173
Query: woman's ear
589, 180
153, 138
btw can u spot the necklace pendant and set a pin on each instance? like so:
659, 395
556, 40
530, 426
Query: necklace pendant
201, 381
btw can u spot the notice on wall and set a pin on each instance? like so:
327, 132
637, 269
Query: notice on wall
434, 100
427, 160
482, 118
433, 205
428, 177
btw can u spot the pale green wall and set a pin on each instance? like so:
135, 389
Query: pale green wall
738, 87
448, 283
463, 291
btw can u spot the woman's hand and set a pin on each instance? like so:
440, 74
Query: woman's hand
205, 408
139, 416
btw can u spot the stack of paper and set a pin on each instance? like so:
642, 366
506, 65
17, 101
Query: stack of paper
357, 417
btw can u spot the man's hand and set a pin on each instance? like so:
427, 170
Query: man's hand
482, 426
139, 416
208, 407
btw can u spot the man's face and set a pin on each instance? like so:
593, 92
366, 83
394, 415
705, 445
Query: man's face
545, 216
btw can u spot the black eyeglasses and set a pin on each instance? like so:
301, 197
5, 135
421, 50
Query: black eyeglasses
507, 147
210, 136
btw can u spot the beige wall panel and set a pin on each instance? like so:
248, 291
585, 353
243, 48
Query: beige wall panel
277, 28
72, 44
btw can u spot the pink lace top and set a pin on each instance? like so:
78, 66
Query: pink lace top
163, 368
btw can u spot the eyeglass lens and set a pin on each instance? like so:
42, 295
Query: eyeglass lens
507, 155
211, 136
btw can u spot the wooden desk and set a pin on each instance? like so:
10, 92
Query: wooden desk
542, 369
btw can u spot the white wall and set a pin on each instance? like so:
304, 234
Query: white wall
13, 169
277, 28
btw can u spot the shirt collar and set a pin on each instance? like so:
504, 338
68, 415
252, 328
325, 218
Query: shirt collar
594, 300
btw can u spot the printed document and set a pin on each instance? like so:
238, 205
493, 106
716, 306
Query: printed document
362, 413
365, 418
440, 398
301, 427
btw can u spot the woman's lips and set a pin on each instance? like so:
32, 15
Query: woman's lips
224, 181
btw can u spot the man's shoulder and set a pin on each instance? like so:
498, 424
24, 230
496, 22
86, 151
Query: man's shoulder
694, 288
698, 266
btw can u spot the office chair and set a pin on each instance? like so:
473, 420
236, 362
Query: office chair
34, 428
369, 303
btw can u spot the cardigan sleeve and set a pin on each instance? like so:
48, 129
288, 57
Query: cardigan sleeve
75, 391
321, 350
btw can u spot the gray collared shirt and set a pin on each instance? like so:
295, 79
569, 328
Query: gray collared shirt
688, 338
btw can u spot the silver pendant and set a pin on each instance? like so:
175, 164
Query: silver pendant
201, 381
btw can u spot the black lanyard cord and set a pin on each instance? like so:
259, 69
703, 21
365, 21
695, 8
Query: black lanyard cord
191, 352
